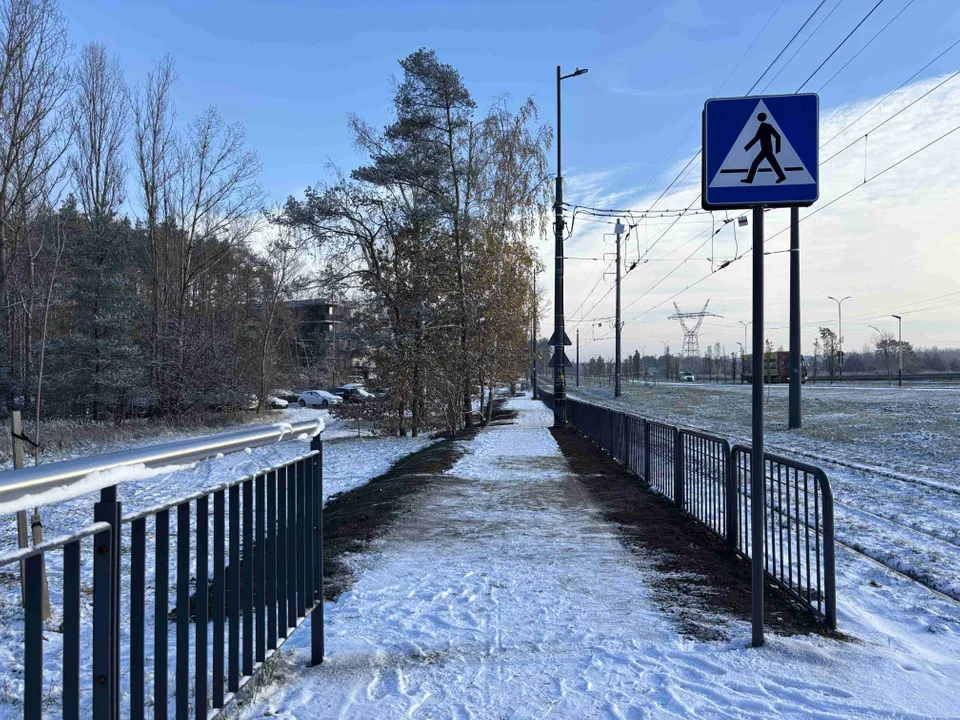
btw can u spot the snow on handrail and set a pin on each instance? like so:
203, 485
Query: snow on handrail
21, 489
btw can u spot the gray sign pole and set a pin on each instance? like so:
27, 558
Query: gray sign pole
795, 414
757, 466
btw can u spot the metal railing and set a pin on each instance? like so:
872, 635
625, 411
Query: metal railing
265, 576
798, 528
710, 481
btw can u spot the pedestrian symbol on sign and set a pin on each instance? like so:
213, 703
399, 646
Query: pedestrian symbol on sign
764, 135
762, 155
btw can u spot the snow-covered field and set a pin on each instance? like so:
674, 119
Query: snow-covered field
892, 456
349, 461
504, 594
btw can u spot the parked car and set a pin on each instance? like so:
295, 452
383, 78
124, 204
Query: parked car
352, 394
687, 377
276, 403
318, 398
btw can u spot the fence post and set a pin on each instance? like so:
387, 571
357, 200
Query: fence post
103, 625
108, 510
625, 440
731, 510
646, 452
678, 468
829, 558
316, 617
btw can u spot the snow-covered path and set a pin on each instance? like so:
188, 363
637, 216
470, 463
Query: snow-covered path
503, 594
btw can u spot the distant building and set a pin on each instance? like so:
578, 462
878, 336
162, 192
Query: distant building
322, 336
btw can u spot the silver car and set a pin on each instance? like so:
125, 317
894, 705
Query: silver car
318, 398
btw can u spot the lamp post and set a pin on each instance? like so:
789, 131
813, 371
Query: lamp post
743, 345
742, 353
559, 336
899, 350
840, 326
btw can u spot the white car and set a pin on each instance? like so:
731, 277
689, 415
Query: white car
318, 398
687, 377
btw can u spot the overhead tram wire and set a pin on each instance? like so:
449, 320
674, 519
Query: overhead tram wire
785, 47
802, 46
698, 153
891, 93
805, 217
716, 92
842, 43
866, 45
792, 39
898, 112
737, 65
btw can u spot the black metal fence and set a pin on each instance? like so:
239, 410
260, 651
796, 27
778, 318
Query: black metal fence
232, 608
710, 481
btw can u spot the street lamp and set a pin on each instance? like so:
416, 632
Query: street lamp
743, 345
899, 351
559, 336
840, 326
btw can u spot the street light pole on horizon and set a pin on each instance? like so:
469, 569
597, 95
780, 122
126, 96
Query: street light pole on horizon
839, 326
559, 335
899, 350
745, 326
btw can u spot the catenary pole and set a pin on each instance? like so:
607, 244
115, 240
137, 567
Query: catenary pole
794, 412
616, 383
757, 465
559, 335
578, 357
559, 394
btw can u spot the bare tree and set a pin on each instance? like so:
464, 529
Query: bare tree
154, 149
216, 203
34, 81
886, 348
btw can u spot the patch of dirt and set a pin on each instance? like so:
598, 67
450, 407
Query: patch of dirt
699, 582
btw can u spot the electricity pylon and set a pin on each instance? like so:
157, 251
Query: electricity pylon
691, 333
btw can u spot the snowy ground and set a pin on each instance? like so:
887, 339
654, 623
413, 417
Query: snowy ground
892, 455
504, 594
348, 461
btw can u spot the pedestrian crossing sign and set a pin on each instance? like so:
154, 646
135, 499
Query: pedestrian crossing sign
761, 151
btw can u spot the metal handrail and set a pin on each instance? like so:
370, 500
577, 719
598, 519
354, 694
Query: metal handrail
19, 488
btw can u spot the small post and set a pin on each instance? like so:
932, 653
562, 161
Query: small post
757, 467
36, 527
22, 533
108, 510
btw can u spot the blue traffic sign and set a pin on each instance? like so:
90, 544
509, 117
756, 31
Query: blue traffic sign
761, 150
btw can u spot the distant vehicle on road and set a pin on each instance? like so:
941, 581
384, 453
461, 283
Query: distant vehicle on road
352, 394
776, 368
687, 377
318, 398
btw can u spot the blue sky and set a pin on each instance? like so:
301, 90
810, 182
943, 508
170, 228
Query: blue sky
292, 71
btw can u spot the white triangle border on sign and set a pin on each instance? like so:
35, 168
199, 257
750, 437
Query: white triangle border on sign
736, 164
